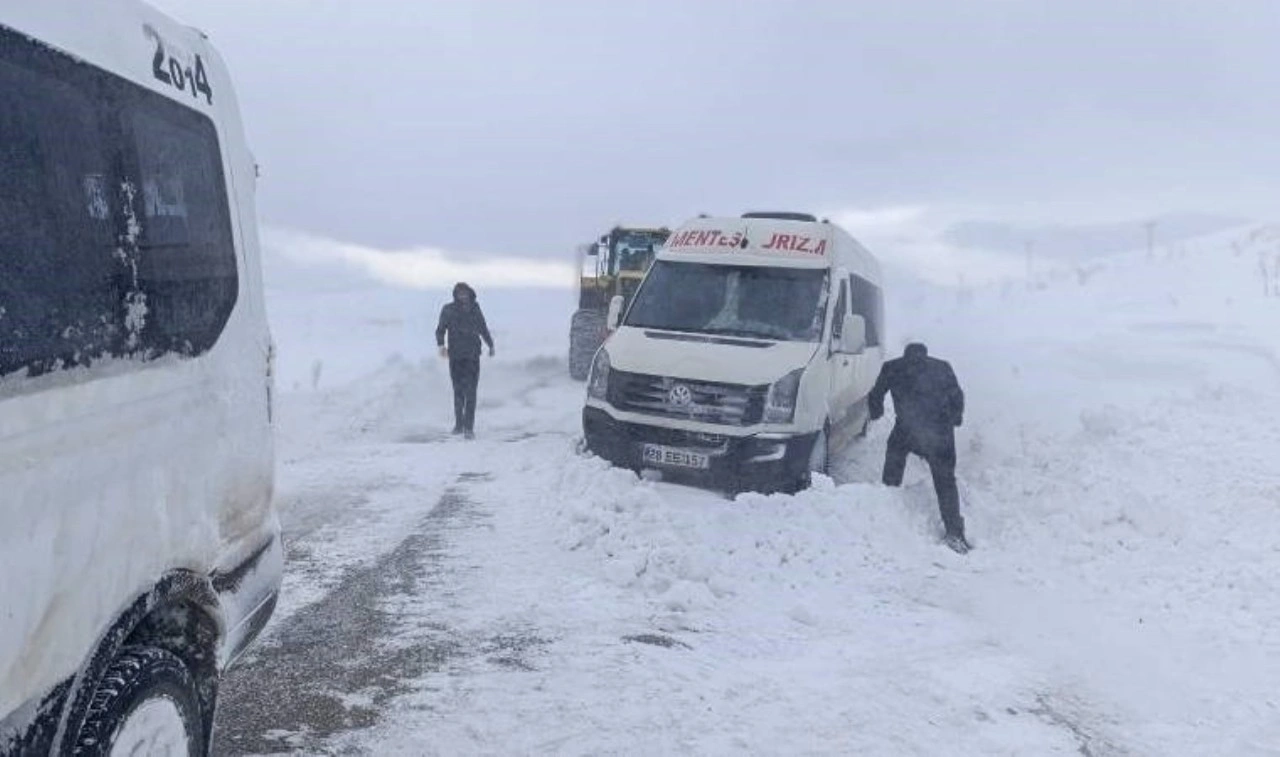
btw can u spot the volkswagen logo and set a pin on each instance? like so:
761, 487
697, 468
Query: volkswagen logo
680, 396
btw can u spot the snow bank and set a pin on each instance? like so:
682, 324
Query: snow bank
684, 550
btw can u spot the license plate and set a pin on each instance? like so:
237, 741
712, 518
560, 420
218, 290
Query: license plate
675, 457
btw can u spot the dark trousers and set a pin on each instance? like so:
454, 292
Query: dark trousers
465, 373
940, 454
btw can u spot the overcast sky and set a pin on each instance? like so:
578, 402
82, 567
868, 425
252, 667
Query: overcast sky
523, 128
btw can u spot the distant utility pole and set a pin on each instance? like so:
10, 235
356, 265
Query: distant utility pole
1030, 247
1150, 226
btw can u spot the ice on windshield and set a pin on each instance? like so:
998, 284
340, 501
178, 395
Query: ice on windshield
748, 301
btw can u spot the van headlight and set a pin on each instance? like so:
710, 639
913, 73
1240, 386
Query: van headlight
598, 381
780, 404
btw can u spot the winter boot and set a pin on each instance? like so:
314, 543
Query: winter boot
957, 543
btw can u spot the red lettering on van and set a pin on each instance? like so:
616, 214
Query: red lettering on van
715, 238
796, 243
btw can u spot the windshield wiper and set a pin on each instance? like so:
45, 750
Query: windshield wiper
748, 333
678, 329
742, 333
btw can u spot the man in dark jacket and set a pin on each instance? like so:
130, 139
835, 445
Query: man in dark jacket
463, 322
929, 405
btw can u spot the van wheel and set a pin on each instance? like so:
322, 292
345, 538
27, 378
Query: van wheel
146, 703
819, 458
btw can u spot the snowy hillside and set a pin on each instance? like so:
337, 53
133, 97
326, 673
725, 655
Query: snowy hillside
1120, 463
1076, 242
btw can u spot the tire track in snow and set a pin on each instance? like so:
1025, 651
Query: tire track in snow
332, 666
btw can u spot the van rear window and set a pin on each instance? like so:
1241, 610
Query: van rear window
115, 233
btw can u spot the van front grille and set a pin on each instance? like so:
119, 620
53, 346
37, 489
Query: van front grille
687, 399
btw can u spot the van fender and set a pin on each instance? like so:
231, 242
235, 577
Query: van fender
176, 587
849, 426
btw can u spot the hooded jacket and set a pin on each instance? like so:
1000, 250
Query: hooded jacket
927, 397
464, 325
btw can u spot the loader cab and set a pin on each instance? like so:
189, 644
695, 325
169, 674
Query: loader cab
611, 266
615, 263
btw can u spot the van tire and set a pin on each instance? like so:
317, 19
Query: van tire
820, 455
585, 330
138, 676
819, 461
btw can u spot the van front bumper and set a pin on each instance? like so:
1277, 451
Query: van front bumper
764, 462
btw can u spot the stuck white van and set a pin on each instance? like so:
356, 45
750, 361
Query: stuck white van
746, 356
139, 545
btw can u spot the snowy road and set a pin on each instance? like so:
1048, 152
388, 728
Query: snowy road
302, 683
371, 567
509, 596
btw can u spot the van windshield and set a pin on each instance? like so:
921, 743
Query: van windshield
785, 304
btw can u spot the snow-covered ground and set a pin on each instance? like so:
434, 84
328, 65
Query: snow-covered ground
1121, 470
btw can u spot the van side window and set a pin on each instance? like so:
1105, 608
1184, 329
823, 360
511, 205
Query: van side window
186, 256
841, 310
59, 289
868, 303
115, 229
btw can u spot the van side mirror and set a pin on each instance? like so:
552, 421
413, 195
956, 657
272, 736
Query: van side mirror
615, 313
853, 335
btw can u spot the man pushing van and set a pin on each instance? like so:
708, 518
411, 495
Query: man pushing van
929, 405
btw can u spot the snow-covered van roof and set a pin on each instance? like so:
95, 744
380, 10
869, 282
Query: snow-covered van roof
768, 241
133, 40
